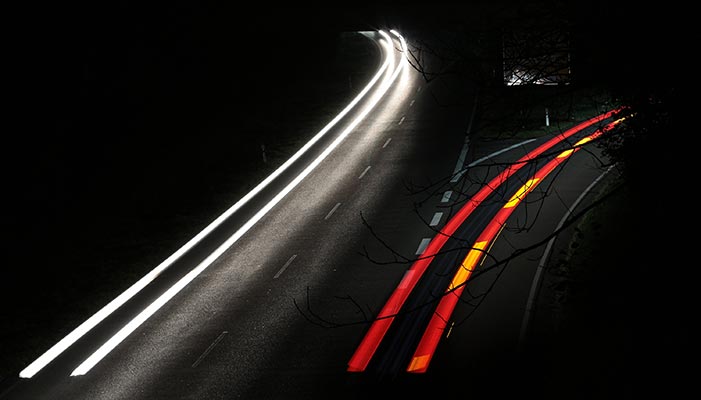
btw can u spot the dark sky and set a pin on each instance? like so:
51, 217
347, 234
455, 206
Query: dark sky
74, 55
112, 107
84, 74
99, 89
94, 86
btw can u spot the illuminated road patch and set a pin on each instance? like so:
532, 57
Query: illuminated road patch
389, 69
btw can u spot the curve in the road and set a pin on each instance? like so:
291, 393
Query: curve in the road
378, 329
439, 320
56, 350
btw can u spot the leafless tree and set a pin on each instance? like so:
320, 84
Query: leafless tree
513, 60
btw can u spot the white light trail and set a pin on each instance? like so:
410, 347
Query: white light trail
108, 346
117, 302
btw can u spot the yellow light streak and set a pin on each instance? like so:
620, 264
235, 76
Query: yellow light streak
521, 193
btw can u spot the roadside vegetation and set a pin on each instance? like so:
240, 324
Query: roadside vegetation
618, 305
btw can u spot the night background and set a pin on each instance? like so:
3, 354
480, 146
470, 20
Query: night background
132, 125
128, 117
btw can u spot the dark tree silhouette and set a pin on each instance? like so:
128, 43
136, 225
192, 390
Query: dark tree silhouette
522, 64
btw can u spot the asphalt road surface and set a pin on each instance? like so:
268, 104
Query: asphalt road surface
280, 308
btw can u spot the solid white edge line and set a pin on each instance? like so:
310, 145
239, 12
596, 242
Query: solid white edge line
541, 265
496, 153
459, 170
101, 352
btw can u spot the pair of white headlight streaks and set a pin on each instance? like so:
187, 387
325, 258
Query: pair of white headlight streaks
390, 69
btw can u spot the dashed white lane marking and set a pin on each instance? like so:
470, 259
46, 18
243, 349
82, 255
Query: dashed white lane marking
211, 346
386, 143
284, 267
422, 246
401, 120
412, 103
446, 196
365, 171
333, 210
418, 89
436, 218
